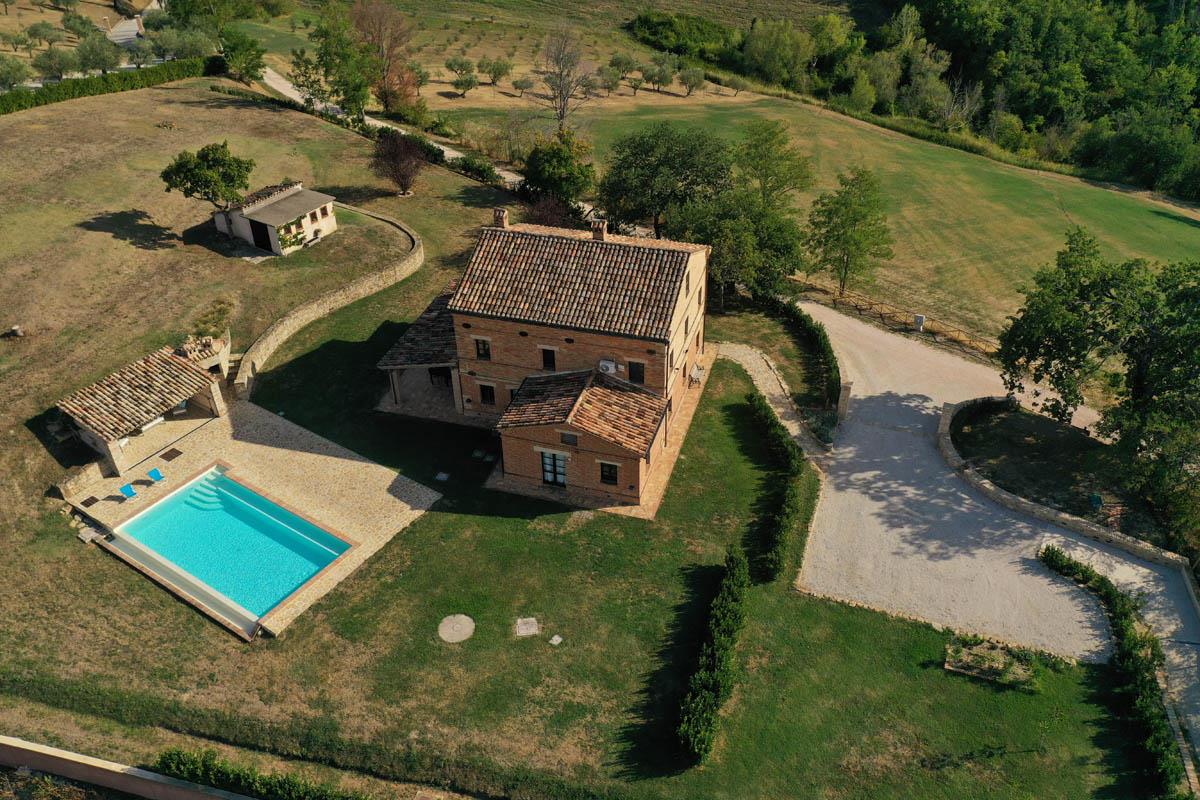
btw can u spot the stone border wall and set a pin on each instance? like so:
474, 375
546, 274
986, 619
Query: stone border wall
18, 753
258, 353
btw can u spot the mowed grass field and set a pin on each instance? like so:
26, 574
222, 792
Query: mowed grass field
969, 231
99, 264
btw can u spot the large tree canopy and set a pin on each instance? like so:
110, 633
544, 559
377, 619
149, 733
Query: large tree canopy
847, 232
212, 173
660, 166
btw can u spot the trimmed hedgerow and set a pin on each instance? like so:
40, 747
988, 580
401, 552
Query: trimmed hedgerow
1138, 658
786, 454
122, 81
315, 739
476, 167
812, 335
712, 682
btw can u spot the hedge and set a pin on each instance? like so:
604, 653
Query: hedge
1137, 659
206, 768
315, 739
712, 682
476, 167
786, 454
814, 338
121, 81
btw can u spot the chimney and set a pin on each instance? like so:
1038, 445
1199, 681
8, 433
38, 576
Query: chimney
599, 229
500, 217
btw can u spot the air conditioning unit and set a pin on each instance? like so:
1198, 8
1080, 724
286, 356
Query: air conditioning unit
608, 367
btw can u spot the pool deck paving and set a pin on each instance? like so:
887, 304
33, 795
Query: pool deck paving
354, 498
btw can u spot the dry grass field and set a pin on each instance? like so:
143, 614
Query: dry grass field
99, 264
23, 13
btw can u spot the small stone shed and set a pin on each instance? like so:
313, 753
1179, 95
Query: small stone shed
110, 414
280, 219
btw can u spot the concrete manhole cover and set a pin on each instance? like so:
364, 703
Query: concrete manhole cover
456, 628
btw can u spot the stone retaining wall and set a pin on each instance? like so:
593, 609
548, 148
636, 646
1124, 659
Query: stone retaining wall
119, 777
283, 328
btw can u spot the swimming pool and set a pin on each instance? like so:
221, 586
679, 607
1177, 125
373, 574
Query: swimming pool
235, 541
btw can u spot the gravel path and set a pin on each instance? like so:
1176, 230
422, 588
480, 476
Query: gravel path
897, 530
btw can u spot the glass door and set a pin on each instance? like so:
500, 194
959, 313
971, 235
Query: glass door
554, 469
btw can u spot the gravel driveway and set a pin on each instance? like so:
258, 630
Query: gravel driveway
898, 530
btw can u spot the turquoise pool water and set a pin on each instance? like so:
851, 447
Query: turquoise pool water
236, 541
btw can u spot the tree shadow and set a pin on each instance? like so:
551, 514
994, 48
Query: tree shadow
647, 745
768, 495
1174, 217
450, 94
478, 195
1123, 758
135, 227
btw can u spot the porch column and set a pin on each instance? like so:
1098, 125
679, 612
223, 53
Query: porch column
456, 387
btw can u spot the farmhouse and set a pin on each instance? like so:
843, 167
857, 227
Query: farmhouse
280, 219
126, 415
577, 347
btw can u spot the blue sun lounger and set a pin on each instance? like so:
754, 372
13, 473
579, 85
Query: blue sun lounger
128, 492
156, 475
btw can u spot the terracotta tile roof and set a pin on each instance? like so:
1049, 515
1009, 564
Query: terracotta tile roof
198, 348
266, 192
639, 241
610, 408
554, 276
429, 340
127, 399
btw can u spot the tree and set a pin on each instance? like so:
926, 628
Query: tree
54, 36
53, 64
1084, 316
559, 168
308, 79
386, 33
38, 31
13, 72
778, 52
847, 233
623, 63
420, 75
141, 52
6, 4
464, 83
349, 67
397, 158
523, 84
635, 84
565, 76
66, 5
243, 55
96, 52
768, 162
460, 66
738, 84
78, 25
660, 166
495, 68
212, 173
210, 16
165, 42
609, 79
862, 93
692, 79
193, 44
754, 244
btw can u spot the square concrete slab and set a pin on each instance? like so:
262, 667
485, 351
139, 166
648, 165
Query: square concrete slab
442, 476
528, 626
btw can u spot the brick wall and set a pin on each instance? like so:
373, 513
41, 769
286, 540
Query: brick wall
523, 459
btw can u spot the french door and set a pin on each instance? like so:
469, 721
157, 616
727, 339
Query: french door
554, 469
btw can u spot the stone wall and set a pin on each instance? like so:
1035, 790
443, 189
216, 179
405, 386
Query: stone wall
119, 777
283, 328
1129, 544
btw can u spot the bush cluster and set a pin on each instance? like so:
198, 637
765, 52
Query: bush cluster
1138, 658
123, 81
476, 167
315, 739
712, 682
812, 337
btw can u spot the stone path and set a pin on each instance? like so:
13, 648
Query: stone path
897, 530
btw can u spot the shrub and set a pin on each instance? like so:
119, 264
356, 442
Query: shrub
811, 335
685, 35
22, 99
476, 167
1138, 658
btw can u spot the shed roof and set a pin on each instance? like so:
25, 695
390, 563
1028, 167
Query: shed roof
429, 340
134, 395
555, 276
612, 409
288, 207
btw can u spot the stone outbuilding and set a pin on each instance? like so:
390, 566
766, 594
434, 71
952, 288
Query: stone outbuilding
280, 219
114, 415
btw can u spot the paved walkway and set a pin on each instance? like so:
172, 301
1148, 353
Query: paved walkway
898, 530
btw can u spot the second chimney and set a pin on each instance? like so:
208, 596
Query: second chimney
599, 229
500, 217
